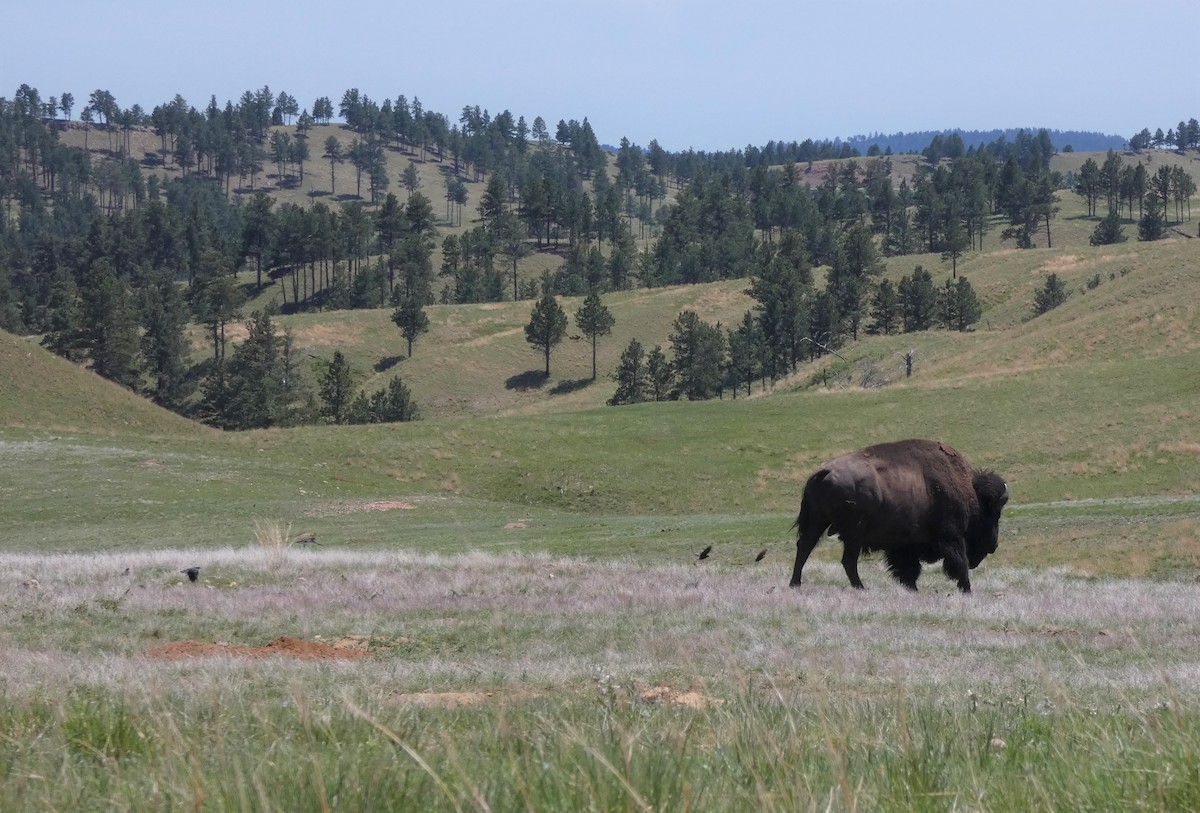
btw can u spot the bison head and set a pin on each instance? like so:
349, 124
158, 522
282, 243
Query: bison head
983, 532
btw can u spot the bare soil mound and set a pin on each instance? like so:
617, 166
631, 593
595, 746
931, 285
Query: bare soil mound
346, 649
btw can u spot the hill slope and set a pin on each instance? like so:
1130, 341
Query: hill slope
40, 390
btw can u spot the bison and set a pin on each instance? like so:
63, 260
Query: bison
915, 500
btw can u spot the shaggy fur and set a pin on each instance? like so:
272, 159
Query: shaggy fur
914, 500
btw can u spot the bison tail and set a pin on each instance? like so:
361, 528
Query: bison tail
807, 505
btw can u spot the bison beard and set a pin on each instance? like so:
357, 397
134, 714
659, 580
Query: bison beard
914, 500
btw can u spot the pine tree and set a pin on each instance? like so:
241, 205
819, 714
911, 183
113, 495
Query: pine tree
411, 318
967, 308
631, 375
698, 351
594, 320
108, 325
1154, 221
336, 388
918, 300
659, 375
1108, 231
547, 326
885, 309
164, 343
1049, 296
745, 353
259, 381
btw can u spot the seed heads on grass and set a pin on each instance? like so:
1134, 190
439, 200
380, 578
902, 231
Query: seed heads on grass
272, 538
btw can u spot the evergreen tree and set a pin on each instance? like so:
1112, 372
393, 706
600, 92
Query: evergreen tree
333, 151
547, 326
918, 300
257, 384
411, 318
511, 232
958, 306
855, 264
659, 375
164, 343
967, 308
1088, 184
594, 320
336, 388
1049, 296
745, 351
392, 404
631, 376
1108, 231
885, 309
62, 320
698, 350
493, 203
108, 325
781, 290
1153, 224
216, 298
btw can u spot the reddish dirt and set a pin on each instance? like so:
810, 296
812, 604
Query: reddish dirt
347, 649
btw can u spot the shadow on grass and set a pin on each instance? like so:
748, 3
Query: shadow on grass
564, 387
387, 362
528, 380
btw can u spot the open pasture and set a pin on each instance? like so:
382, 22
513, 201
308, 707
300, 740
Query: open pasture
532, 681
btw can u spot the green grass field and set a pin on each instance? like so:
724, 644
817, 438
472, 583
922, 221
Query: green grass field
516, 577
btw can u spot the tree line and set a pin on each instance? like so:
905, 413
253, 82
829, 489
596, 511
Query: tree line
86, 246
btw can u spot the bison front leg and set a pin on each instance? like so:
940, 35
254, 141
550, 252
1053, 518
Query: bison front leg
955, 566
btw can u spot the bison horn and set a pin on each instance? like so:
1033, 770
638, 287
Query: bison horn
1004, 496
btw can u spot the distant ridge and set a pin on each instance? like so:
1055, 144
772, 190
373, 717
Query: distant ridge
1078, 140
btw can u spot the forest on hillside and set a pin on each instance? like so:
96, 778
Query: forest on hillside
111, 261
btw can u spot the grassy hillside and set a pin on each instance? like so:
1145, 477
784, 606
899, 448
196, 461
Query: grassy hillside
40, 390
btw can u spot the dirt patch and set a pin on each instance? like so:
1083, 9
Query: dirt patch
335, 335
516, 525
351, 648
665, 694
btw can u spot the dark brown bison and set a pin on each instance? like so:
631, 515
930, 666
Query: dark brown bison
915, 500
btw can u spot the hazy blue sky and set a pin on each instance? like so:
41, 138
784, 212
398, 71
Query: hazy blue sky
698, 73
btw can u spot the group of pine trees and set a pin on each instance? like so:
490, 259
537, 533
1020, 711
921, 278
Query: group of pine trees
111, 264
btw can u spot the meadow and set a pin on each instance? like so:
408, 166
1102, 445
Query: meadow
503, 609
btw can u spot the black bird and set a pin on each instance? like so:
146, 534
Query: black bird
761, 554
704, 553
193, 573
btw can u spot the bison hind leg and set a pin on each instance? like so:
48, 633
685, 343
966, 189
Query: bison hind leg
905, 566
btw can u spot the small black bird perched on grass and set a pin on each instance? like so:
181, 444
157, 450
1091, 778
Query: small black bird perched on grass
193, 573
704, 553
761, 554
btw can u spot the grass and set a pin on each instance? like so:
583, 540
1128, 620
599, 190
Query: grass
498, 682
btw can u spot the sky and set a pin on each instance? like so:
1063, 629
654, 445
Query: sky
689, 73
